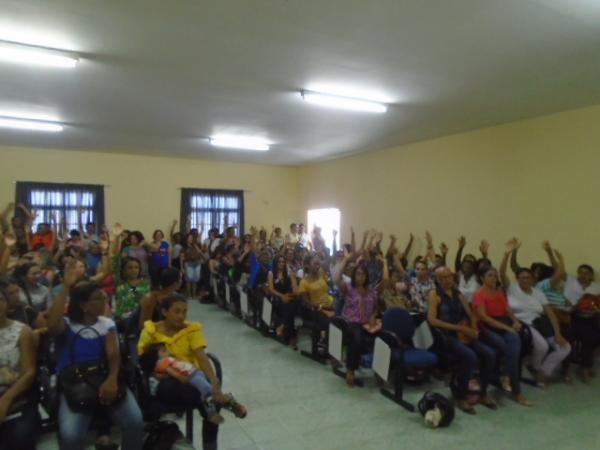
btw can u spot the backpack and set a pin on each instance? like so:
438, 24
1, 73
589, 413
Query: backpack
436, 409
165, 435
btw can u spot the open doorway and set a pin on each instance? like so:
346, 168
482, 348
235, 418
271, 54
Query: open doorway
327, 219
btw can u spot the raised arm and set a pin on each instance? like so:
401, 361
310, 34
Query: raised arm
339, 270
353, 239
510, 248
392, 246
385, 279
560, 273
514, 265
407, 250
172, 229
54, 315
430, 255
462, 242
9, 243
444, 252
548, 249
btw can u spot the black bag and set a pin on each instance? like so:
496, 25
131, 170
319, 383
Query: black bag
164, 435
80, 383
434, 402
543, 325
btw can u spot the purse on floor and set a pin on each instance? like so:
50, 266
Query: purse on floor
80, 383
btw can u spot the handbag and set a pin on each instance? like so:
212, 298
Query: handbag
80, 383
543, 325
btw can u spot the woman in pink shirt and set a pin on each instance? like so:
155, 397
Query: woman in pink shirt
360, 310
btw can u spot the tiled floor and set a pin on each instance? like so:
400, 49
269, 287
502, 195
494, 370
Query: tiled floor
297, 404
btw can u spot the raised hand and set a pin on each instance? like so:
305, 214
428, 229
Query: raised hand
462, 242
10, 239
443, 248
117, 229
70, 275
546, 246
428, 238
484, 247
512, 245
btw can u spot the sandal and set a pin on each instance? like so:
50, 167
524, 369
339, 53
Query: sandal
465, 407
350, 378
521, 400
216, 418
505, 383
236, 408
488, 403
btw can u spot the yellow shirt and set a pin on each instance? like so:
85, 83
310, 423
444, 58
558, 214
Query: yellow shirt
318, 292
181, 346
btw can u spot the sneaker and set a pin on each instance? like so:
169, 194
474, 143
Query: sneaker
236, 408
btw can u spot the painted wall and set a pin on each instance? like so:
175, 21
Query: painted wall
536, 179
143, 191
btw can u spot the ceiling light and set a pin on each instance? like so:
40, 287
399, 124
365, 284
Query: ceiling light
239, 142
41, 56
343, 102
28, 124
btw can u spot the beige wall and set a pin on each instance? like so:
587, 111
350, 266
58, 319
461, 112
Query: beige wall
536, 179
143, 191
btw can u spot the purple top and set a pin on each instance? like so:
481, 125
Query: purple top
359, 308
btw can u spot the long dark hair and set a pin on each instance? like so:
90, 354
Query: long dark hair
128, 259
362, 266
276, 268
79, 295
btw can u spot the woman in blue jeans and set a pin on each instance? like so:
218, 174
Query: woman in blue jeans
450, 312
500, 327
85, 335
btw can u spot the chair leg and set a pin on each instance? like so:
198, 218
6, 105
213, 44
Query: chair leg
398, 395
314, 351
189, 424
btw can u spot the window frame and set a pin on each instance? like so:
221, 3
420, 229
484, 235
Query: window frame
24, 189
186, 207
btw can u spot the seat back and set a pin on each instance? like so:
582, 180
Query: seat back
399, 322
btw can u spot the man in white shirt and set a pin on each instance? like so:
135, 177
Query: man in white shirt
292, 237
304, 237
576, 287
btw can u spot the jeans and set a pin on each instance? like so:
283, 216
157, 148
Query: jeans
508, 346
199, 381
540, 358
586, 331
468, 357
286, 312
21, 432
173, 393
73, 426
192, 272
358, 340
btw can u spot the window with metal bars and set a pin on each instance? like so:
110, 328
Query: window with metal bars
63, 201
207, 208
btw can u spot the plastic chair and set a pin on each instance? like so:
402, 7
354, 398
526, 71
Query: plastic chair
397, 334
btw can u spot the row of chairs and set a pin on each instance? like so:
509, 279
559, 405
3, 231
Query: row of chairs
392, 358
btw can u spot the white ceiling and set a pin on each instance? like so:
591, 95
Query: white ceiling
156, 77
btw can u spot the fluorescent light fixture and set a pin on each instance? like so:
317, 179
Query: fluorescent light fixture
41, 56
28, 124
239, 142
343, 102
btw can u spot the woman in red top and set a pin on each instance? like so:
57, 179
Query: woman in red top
500, 328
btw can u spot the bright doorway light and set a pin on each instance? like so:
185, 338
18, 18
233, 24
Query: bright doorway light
327, 219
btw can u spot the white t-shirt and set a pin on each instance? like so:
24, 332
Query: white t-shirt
574, 291
468, 288
527, 307
304, 239
39, 297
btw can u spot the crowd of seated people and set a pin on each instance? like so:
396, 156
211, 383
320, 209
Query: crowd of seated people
85, 288
78, 295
